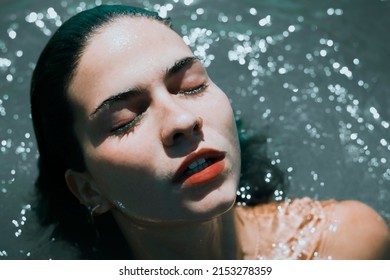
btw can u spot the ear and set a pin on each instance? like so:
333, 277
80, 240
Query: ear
83, 187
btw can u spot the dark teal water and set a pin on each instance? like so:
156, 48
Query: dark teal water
311, 75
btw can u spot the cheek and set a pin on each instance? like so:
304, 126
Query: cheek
114, 166
219, 115
128, 186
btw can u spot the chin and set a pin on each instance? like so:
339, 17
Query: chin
215, 203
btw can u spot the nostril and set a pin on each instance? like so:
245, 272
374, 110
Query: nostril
196, 127
177, 136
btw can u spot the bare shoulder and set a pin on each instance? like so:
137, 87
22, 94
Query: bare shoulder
361, 232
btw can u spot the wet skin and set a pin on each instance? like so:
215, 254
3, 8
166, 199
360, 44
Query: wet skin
143, 104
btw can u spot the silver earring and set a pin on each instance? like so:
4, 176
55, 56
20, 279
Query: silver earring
92, 211
92, 214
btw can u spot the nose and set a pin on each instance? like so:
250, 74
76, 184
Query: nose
179, 124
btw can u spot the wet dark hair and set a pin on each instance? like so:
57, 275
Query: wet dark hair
59, 149
261, 180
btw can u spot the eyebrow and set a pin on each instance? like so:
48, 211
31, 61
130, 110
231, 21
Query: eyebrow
179, 65
127, 94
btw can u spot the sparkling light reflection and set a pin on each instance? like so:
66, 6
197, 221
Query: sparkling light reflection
296, 76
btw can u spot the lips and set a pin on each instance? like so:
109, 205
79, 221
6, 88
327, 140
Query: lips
200, 167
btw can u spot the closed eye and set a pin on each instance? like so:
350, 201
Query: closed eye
193, 91
127, 127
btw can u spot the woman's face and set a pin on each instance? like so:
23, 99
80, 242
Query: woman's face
146, 113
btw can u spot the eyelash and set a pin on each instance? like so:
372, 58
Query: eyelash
193, 91
126, 128
129, 127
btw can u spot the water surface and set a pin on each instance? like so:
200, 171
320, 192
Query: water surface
312, 76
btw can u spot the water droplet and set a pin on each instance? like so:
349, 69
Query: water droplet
253, 11
265, 21
330, 11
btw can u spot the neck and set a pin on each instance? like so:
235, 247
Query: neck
212, 239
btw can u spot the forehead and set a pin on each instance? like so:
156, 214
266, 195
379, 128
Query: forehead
130, 40
128, 52
128, 33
